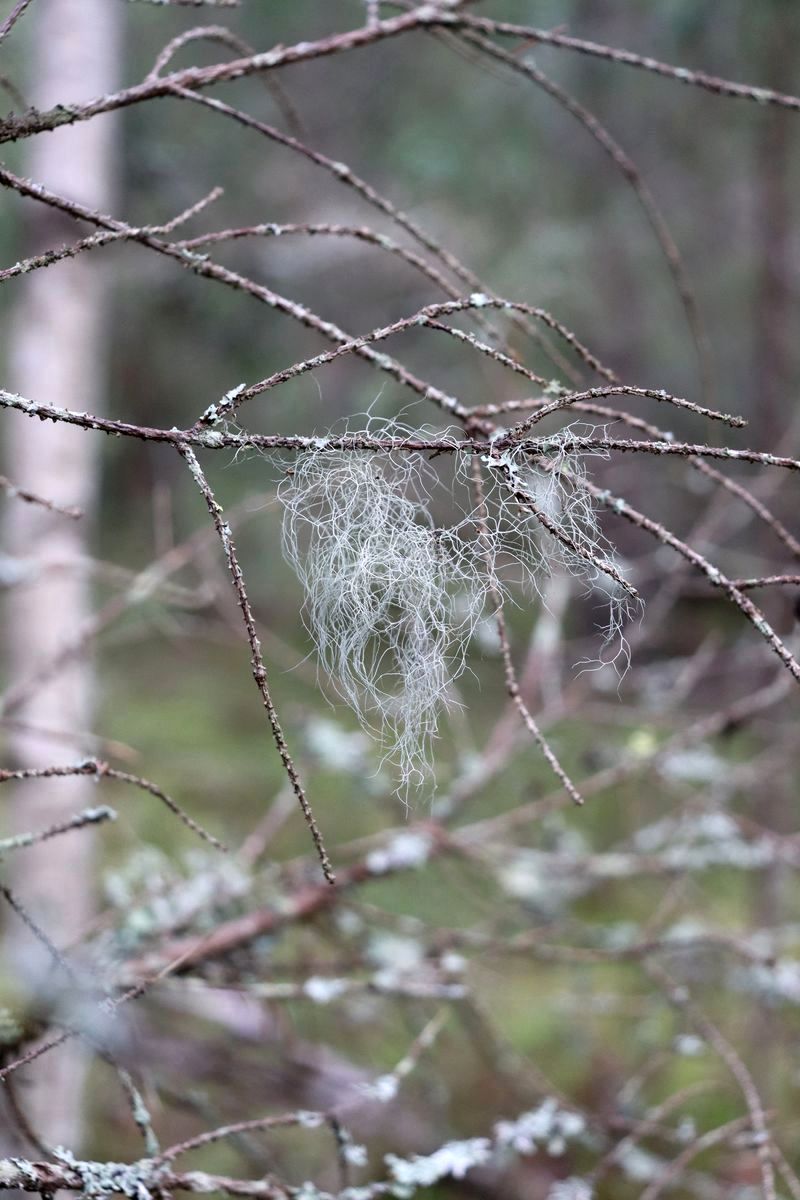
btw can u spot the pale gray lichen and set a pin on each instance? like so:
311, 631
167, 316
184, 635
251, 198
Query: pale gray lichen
393, 599
548, 1125
11, 1027
383, 1089
337, 748
403, 851
689, 1045
213, 439
323, 990
310, 1119
138, 1179
18, 1167
154, 894
454, 1160
637, 1164
353, 1152
572, 1188
381, 585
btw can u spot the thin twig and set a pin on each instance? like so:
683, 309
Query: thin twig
12, 18
19, 493
88, 816
700, 79
630, 172
257, 660
102, 770
512, 683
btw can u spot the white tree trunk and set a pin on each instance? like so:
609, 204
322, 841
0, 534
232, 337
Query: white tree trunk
56, 352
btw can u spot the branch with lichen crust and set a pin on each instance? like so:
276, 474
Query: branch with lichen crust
257, 659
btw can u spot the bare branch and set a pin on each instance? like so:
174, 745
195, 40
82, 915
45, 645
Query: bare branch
257, 660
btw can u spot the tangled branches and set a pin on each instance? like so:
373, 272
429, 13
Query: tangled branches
429, 549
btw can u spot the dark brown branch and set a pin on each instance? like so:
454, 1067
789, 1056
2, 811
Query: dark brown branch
15, 127
700, 79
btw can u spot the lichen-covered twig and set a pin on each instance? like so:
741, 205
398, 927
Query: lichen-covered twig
257, 660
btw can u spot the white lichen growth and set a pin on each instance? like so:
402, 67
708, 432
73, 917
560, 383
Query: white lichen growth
404, 851
394, 952
392, 599
699, 841
688, 1045
548, 1125
453, 1160
570, 1189
383, 1089
776, 983
638, 1164
322, 990
353, 1152
384, 591
153, 893
337, 748
138, 1180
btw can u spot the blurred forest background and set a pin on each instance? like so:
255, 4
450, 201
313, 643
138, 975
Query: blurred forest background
517, 190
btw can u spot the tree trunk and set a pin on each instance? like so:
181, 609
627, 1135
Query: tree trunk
56, 353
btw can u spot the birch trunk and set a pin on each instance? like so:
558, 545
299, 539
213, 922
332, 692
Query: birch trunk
55, 352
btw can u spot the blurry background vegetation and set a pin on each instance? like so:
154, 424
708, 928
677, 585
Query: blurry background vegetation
519, 191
